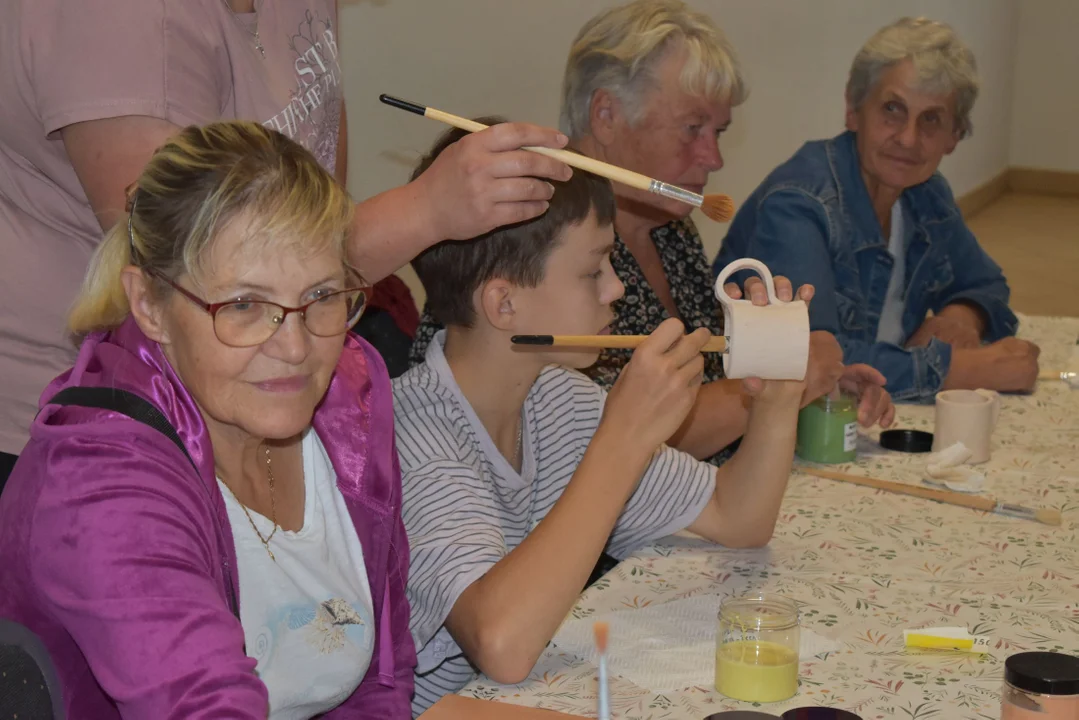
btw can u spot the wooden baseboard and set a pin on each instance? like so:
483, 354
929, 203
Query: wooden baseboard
1043, 182
1037, 181
971, 203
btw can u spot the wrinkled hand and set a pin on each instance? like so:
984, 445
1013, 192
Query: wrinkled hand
656, 390
874, 403
485, 180
1008, 365
955, 331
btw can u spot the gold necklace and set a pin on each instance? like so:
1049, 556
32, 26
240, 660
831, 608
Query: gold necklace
273, 508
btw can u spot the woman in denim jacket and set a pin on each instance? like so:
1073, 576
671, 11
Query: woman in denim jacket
866, 218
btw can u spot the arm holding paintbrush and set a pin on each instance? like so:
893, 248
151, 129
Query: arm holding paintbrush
505, 619
484, 181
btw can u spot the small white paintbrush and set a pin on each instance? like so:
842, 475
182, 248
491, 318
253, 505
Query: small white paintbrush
601, 630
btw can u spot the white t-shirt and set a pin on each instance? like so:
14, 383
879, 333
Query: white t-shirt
307, 617
465, 507
890, 328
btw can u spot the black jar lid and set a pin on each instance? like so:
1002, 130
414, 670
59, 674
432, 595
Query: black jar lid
819, 713
907, 440
1046, 673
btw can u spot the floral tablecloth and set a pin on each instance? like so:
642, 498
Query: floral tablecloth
863, 565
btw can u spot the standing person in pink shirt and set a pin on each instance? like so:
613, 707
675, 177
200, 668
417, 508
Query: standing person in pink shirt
90, 89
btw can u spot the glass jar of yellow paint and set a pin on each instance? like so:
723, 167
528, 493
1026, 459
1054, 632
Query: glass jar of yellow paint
757, 648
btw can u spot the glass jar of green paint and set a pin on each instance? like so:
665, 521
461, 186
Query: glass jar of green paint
828, 429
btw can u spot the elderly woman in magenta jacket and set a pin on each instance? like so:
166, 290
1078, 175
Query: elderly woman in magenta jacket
265, 575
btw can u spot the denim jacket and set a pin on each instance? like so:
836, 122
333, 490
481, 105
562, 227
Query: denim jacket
812, 220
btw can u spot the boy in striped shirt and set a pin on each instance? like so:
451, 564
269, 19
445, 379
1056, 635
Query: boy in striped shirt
519, 471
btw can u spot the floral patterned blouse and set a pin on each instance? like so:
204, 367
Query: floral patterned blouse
640, 311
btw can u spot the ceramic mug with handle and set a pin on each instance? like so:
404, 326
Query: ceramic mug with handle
770, 341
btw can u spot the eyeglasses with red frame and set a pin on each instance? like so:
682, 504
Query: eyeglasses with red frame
246, 323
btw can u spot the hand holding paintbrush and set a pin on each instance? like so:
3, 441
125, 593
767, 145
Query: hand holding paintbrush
717, 207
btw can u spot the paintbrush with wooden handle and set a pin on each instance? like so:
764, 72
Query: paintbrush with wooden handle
1046, 516
717, 207
718, 344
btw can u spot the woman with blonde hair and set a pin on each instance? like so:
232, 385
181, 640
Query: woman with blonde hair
206, 521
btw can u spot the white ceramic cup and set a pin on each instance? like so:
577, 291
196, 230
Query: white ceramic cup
969, 417
770, 341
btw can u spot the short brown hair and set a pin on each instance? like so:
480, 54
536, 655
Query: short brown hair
452, 271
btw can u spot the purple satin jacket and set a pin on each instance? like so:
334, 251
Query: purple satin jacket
120, 557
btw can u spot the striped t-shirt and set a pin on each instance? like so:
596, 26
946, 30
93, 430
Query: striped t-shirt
465, 507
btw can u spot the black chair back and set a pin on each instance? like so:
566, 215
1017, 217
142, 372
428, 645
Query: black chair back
29, 685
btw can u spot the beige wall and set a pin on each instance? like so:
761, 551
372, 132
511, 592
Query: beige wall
1045, 110
475, 57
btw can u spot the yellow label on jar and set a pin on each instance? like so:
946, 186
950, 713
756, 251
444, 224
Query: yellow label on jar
756, 671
